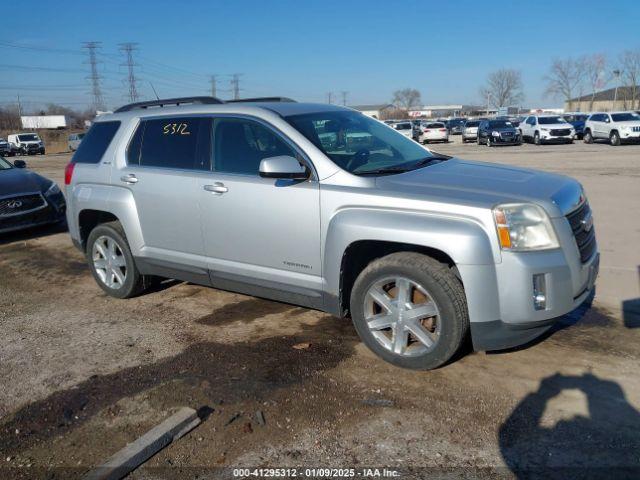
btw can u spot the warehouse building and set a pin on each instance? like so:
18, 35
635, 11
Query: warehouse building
621, 98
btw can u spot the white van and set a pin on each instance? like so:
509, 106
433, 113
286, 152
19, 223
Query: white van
26, 143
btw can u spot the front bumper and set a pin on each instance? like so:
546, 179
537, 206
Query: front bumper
516, 140
53, 212
629, 135
547, 137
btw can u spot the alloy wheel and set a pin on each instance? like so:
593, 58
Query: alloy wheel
109, 262
402, 316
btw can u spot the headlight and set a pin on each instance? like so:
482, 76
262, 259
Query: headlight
524, 226
53, 189
495, 134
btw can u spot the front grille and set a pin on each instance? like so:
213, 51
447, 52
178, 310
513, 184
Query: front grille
507, 134
585, 238
21, 204
562, 132
635, 129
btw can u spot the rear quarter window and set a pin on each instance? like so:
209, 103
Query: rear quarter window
96, 142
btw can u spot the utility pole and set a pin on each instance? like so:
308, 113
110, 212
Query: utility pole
98, 100
19, 107
235, 85
329, 97
128, 49
344, 94
213, 79
616, 73
488, 97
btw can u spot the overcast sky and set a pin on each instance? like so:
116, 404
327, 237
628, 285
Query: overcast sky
304, 49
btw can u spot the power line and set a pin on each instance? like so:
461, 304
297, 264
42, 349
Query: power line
98, 100
128, 49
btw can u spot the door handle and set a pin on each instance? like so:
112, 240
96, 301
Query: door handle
131, 178
217, 187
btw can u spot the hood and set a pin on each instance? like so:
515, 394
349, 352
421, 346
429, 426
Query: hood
485, 185
20, 180
555, 126
629, 123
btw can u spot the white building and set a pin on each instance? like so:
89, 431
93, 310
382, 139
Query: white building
375, 111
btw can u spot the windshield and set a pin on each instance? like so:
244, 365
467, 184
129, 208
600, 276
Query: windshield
28, 138
550, 120
357, 143
500, 124
4, 165
625, 117
456, 121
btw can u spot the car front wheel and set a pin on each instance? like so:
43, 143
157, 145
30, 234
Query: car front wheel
112, 263
410, 310
587, 137
614, 138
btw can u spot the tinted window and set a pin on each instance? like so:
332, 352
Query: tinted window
550, 120
500, 124
240, 145
435, 125
624, 117
403, 126
95, 142
471, 124
179, 142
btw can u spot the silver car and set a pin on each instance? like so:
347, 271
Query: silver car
74, 141
321, 206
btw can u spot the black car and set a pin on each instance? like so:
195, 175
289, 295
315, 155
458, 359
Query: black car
577, 120
455, 126
498, 132
26, 198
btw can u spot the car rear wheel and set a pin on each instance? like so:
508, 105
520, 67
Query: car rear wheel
410, 310
112, 263
587, 138
614, 138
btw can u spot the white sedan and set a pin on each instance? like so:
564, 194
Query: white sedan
405, 128
433, 132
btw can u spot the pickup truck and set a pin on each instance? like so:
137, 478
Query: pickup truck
277, 199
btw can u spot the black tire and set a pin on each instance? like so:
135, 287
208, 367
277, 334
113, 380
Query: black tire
488, 144
587, 137
536, 138
443, 287
134, 283
614, 139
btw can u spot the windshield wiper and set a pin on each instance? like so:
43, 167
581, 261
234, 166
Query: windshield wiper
437, 158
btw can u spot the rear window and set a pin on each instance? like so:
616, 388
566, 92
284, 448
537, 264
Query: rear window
403, 126
435, 125
96, 142
472, 124
180, 142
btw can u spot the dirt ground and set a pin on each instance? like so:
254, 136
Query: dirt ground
83, 374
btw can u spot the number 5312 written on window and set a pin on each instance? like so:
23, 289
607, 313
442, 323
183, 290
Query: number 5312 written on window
176, 129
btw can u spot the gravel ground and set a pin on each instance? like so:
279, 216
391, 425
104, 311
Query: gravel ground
83, 374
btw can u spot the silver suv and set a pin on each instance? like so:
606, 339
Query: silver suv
321, 206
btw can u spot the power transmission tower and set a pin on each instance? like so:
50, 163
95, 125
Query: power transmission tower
214, 90
98, 100
329, 97
344, 94
128, 49
235, 85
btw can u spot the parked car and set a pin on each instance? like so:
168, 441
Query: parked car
26, 143
497, 132
74, 141
617, 127
405, 128
433, 132
470, 131
547, 129
26, 198
577, 121
420, 250
455, 126
5, 148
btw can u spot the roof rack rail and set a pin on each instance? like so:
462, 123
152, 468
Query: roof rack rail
169, 102
262, 100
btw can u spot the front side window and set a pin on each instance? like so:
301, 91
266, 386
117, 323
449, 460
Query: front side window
359, 144
172, 142
241, 144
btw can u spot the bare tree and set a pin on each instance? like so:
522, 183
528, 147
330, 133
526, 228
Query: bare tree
630, 68
566, 79
503, 88
595, 66
406, 99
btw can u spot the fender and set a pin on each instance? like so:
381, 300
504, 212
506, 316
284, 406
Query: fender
463, 239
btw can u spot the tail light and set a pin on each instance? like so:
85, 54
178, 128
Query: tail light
68, 173
443, 129
427, 130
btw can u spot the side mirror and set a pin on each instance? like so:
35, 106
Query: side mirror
20, 164
283, 166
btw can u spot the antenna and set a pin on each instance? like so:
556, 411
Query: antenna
128, 49
98, 100
154, 90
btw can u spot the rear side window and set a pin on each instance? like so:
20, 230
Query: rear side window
180, 142
95, 142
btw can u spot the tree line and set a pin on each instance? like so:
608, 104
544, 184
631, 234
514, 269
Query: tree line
10, 116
